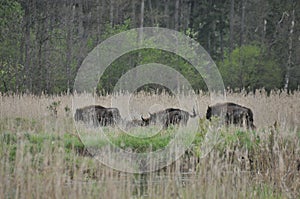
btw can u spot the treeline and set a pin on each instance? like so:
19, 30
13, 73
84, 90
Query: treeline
255, 43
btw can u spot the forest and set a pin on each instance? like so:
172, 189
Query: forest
254, 43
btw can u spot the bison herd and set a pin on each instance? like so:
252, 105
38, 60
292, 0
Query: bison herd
231, 113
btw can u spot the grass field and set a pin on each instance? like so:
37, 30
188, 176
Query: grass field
42, 157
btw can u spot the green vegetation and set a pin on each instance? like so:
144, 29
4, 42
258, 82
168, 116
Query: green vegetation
255, 43
142, 145
251, 67
74, 143
247, 153
147, 56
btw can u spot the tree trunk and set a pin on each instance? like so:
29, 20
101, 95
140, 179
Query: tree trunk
69, 42
42, 35
264, 31
176, 16
83, 33
50, 69
118, 20
208, 42
166, 13
111, 13
100, 10
133, 14
45, 61
191, 17
27, 43
222, 45
141, 20
289, 61
231, 26
151, 13
243, 4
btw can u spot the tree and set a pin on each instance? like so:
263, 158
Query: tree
289, 61
231, 25
43, 44
11, 15
250, 68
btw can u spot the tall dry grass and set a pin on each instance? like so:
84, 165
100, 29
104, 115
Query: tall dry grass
278, 106
45, 168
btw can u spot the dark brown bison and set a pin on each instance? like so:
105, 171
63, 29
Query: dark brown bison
233, 114
98, 115
169, 116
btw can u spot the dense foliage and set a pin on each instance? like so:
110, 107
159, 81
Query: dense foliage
250, 67
43, 43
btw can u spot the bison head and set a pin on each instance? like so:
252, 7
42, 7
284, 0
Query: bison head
145, 121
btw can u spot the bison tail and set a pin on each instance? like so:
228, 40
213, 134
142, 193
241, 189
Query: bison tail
208, 113
194, 113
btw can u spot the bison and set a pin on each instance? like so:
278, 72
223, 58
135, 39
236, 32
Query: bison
108, 116
233, 114
169, 116
98, 115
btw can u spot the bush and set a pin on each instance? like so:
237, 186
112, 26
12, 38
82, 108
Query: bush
250, 67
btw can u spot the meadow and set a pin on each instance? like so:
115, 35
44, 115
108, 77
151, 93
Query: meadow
42, 155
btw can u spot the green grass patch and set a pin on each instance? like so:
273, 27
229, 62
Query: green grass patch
142, 145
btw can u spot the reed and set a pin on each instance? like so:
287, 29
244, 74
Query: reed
41, 155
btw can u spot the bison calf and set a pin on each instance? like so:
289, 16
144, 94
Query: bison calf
232, 113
